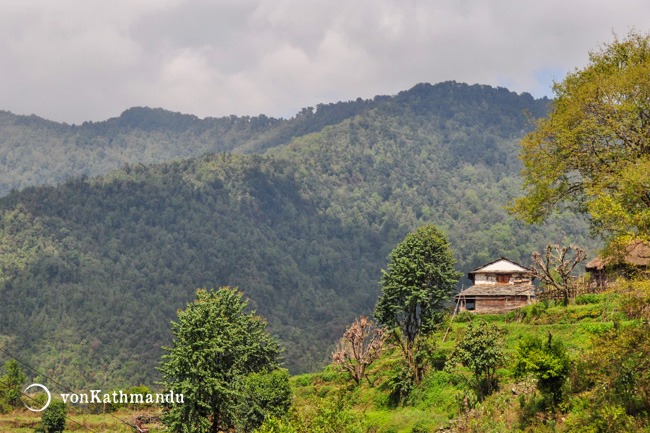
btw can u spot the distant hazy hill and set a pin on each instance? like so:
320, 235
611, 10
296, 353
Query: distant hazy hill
35, 151
93, 270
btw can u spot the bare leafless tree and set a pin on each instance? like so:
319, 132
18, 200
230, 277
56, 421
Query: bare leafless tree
555, 268
360, 346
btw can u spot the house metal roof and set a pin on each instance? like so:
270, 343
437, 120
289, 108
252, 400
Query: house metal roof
496, 267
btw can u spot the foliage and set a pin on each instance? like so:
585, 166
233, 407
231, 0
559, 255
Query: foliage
37, 151
415, 290
53, 417
100, 266
548, 362
585, 299
600, 417
555, 268
10, 384
401, 383
620, 363
333, 414
636, 302
218, 362
445, 400
480, 350
591, 152
268, 394
360, 346
277, 425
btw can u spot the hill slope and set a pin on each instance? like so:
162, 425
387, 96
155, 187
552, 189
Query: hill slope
36, 151
93, 270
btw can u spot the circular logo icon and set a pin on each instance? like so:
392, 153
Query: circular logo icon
47, 391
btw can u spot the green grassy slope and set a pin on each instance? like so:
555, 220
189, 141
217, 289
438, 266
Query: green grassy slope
440, 401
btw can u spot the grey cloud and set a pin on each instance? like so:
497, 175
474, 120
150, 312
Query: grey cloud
84, 60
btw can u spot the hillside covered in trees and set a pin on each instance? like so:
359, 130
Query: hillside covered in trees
93, 270
35, 151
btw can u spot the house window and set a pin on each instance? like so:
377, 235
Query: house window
470, 304
503, 278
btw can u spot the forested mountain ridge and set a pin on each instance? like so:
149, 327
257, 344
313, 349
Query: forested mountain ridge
35, 151
99, 266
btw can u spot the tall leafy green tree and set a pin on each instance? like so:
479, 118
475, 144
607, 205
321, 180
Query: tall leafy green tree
592, 152
419, 282
219, 361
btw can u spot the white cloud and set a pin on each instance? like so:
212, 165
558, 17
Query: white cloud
79, 60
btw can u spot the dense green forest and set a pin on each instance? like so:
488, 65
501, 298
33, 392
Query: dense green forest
93, 270
35, 151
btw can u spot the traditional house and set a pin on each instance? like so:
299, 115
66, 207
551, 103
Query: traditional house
499, 286
634, 259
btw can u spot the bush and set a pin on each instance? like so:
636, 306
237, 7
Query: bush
588, 417
618, 361
463, 317
302, 380
10, 385
635, 303
438, 390
269, 394
53, 418
334, 414
548, 362
597, 328
400, 384
276, 425
529, 312
422, 426
480, 350
588, 299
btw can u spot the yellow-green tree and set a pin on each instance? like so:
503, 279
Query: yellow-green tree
592, 152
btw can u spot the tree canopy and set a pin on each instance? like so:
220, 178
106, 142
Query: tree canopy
419, 282
592, 152
224, 364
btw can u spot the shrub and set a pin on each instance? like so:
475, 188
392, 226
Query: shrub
276, 425
334, 414
463, 317
588, 299
400, 384
10, 384
53, 418
480, 350
268, 394
548, 362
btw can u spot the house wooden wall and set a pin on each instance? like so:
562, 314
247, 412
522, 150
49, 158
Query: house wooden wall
496, 304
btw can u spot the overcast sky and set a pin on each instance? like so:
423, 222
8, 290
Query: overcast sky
80, 60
